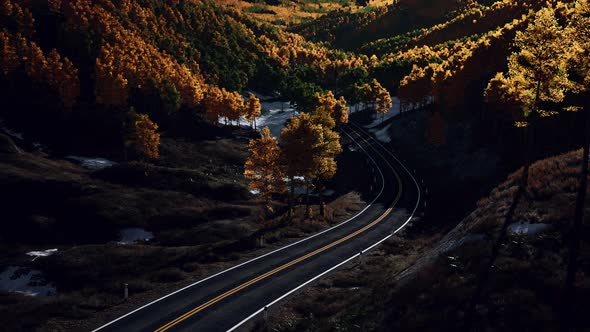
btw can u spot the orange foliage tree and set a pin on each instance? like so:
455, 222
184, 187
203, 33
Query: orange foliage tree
252, 109
263, 168
146, 138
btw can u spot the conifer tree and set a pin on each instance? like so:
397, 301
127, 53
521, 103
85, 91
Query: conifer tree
146, 138
537, 73
263, 169
384, 102
325, 166
341, 111
537, 77
212, 102
300, 141
252, 110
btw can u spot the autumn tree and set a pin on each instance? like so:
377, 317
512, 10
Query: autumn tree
263, 168
213, 104
326, 115
384, 102
537, 79
143, 135
252, 110
337, 109
326, 100
537, 72
324, 163
300, 139
341, 110
233, 104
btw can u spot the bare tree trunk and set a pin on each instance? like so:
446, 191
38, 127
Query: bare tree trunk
307, 210
321, 196
291, 196
487, 270
568, 317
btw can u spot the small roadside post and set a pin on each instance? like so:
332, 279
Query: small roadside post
126, 291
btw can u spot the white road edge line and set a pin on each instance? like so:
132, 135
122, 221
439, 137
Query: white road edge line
350, 258
258, 257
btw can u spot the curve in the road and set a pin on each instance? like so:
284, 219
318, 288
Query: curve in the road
259, 311
262, 275
203, 306
258, 257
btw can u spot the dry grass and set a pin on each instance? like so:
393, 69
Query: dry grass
421, 282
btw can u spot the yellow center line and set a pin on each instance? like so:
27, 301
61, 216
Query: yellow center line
280, 268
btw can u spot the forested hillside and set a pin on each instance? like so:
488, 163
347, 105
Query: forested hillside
88, 62
219, 125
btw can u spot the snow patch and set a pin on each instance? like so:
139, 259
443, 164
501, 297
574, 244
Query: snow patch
10, 132
42, 253
132, 235
522, 228
393, 111
382, 134
22, 280
92, 163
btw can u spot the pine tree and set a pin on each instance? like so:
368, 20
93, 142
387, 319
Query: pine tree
300, 141
537, 77
384, 102
537, 74
341, 111
328, 105
146, 138
263, 169
324, 161
212, 102
233, 104
252, 110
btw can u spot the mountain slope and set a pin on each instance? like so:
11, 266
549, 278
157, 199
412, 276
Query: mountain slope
424, 281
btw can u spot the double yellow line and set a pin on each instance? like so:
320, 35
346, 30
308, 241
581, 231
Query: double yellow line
280, 268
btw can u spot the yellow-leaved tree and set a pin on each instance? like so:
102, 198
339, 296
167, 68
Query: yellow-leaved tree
324, 163
537, 75
341, 111
252, 110
213, 103
384, 102
537, 81
300, 139
146, 138
337, 109
263, 168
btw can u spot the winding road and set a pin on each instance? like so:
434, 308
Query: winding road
232, 299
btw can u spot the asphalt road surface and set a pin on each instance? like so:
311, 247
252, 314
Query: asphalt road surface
228, 300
